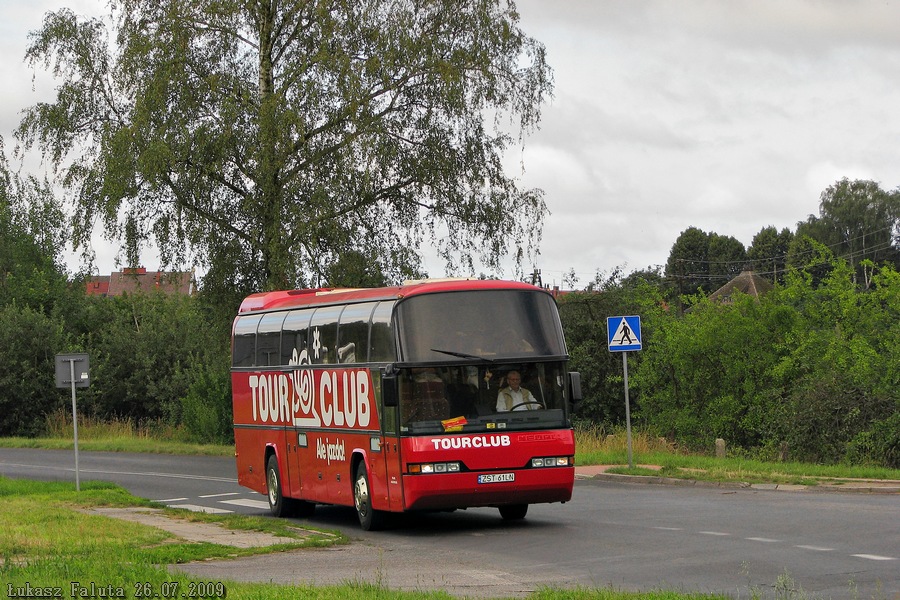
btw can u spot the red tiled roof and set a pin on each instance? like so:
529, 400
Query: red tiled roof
97, 286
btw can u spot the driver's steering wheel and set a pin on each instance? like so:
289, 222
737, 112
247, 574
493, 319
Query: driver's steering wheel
526, 403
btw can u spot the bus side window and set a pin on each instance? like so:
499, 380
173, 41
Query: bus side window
353, 333
294, 334
323, 335
244, 343
381, 336
268, 339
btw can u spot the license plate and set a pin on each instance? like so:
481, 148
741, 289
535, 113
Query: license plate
497, 478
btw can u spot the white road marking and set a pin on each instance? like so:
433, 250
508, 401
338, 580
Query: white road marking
171, 500
264, 504
775, 541
203, 509
221, 495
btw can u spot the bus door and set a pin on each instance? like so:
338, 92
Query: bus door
389, 459
302, 479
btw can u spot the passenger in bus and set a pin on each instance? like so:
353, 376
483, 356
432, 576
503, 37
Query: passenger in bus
515, 397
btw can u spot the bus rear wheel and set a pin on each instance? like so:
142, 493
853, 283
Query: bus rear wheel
513, 512
277, 503
369, 518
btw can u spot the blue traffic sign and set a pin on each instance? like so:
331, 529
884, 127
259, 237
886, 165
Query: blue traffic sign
624, 333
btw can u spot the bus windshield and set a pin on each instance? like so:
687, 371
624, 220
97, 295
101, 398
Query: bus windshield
491, 325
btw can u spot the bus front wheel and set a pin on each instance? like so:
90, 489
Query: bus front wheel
369, 518
513, 512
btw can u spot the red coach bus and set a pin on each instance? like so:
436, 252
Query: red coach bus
433, 395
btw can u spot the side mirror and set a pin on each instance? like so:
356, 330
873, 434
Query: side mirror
389, 394
575, 387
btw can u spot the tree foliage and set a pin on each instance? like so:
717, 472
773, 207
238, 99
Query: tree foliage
858, 221
811, 257
768, 252
270, 139
688, 260
727, 258
31, 237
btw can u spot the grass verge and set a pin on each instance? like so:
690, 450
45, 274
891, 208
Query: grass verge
120, 444
594, 447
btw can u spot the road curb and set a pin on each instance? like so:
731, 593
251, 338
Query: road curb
655, 480
851, 488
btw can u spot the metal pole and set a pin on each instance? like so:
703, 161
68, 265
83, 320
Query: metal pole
627, 410
74, 423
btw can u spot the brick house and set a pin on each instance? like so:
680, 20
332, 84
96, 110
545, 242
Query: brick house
138, 280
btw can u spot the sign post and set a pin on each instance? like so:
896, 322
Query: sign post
624, 335
66, 377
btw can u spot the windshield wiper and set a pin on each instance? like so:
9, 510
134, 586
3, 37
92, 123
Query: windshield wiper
462, 355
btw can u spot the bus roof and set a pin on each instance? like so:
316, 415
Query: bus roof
323, 296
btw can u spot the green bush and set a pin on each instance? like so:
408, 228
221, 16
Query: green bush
147, 350
29, 341
879, 445
206, 408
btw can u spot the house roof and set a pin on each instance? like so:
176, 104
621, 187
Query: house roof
747, 282
139, 280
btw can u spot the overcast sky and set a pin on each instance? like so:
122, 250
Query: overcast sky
727, 116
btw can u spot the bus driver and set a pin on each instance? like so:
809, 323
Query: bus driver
514, 397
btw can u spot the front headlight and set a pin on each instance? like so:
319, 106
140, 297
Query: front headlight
428, 468
552, 461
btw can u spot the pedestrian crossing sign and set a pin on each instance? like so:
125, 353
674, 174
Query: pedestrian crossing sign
624, 333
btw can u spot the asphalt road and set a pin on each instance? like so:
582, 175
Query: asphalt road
621, 535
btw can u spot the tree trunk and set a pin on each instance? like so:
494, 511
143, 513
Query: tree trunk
269, 191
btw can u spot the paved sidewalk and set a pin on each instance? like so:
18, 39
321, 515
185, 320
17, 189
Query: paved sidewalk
192, 531
872, 486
